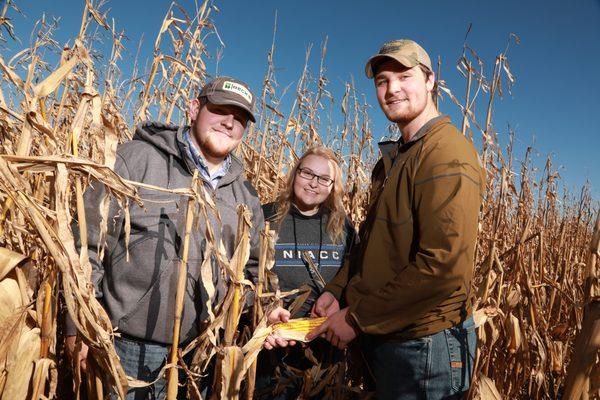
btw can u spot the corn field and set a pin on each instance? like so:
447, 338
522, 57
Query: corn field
61, 121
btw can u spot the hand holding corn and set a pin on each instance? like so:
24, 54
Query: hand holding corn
287, 332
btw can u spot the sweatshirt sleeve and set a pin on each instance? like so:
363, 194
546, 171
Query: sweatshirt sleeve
447, 197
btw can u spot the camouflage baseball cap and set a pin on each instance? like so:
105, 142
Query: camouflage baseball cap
405, 51
226, 90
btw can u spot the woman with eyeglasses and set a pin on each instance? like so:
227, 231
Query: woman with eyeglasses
313, 235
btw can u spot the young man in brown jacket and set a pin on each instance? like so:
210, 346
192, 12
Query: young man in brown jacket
406, 287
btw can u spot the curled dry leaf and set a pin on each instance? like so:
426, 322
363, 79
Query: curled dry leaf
514, 333
19, 375
10, 298
8, 260
486, 389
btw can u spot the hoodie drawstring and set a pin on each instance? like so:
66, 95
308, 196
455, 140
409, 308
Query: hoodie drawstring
169, 171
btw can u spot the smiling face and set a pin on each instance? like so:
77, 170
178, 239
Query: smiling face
217, 129
308, 193
404, 94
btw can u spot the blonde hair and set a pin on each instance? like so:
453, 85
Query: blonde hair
333, 203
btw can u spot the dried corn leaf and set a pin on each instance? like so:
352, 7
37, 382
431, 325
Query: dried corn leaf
11, 74
8, 260
255, 344
513, 297
50, 84
19, 375
486, 389
557, 356
44, 368
514, 333
10, 298
231, 372
483, 315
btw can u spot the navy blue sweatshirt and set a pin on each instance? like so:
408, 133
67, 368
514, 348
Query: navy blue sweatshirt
298, 233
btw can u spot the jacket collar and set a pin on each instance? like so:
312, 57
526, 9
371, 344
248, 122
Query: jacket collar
425, 129
389, 148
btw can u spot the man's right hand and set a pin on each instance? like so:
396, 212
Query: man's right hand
70, 343
325, 306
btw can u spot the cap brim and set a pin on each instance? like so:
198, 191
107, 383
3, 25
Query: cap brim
232, 102
406, 61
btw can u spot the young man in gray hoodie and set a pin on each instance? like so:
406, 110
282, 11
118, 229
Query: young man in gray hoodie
138, 290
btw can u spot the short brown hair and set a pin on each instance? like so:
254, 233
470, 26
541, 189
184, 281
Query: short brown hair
427, 72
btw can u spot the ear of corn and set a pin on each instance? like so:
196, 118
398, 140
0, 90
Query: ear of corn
297, 329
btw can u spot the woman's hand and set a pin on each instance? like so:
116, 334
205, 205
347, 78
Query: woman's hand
325, 306
279, 314
273, 341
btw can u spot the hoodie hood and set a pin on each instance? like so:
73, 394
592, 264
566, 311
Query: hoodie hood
160, 135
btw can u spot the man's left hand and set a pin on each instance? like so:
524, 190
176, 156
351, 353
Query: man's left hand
336, 329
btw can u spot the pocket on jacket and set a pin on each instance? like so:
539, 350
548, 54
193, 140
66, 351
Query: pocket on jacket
144, 300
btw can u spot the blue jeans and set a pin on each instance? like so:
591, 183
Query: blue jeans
438, 366
144, 360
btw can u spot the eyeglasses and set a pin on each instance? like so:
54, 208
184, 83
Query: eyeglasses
309, 175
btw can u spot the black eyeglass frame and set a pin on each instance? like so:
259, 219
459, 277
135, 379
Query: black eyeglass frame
309, 175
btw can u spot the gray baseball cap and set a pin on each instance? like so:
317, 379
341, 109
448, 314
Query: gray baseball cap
226, 90
407, 52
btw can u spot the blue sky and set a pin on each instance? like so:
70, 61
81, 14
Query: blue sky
553, 102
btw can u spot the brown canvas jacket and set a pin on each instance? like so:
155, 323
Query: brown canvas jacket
410, 276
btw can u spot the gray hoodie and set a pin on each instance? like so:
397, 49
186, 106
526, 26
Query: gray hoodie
139, 294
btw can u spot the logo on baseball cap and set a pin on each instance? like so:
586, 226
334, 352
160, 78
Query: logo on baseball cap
405, 51
230, 91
